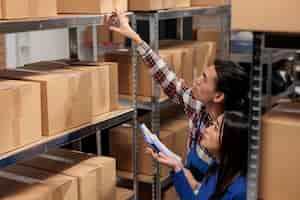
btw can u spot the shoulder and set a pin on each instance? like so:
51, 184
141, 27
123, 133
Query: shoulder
238, 189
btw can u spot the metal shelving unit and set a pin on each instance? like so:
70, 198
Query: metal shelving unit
106, 121
153, 18
260, 51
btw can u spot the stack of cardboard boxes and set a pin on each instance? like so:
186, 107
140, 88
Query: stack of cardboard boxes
279, 153
45, 100
186, 59
61, 175
14, 9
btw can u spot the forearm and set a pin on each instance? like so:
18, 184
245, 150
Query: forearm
182, 186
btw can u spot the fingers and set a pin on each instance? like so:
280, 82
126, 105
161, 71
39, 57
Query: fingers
115, 29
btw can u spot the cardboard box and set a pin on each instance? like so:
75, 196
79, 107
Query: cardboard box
146, 5
126, 75
16, 189
183, 3
86, 175
210, 2
20, 122
196, 56
106, 171
120, 5
42, 8
280, 136
181, 130
188, 58
85, 7
176, 62
61, 94
208, 35
105, 37
14, 9
266, 16
105, 88
120, 143
63, 187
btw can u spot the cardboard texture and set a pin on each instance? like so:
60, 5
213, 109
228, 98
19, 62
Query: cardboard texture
183, 3
126, 75
42, 8
105, 88
62, 187
146, 5
61, 94
210, 2
14, 9
268, 15
86, 175
120, 5
106, 171
280, 136
105, 37
20, 123
208, 35
85, 7
120, 144
181, 130
23, 189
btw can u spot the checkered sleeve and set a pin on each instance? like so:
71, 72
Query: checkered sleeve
174, 87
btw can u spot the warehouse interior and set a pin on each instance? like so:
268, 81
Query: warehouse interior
76, 98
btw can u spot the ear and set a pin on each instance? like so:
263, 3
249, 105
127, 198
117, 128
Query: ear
219, 97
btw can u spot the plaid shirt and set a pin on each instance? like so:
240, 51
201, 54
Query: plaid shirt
179, 93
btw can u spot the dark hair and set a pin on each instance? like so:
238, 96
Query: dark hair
233, 151
233, 81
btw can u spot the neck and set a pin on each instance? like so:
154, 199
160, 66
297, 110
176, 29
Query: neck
214, 110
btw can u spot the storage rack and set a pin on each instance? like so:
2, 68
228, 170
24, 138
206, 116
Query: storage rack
256, 102
104, 122
155, 102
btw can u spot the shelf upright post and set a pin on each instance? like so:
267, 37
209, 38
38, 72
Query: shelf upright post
155, 115
135, 147
255, 115
225, 15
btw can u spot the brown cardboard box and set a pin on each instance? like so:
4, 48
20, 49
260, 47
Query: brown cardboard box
208, 35
86, 175
121, 146
64, 187
188, 58
267, 15
105, 37
20, 122
181, 130
14, 9
126, 75
176, 62
146, 5
106, 173
105, 88
196, 55
210, 2
170, 194
279, 163
85, 7
62, 104
120, 5
183, 3
23, 189
42, 8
